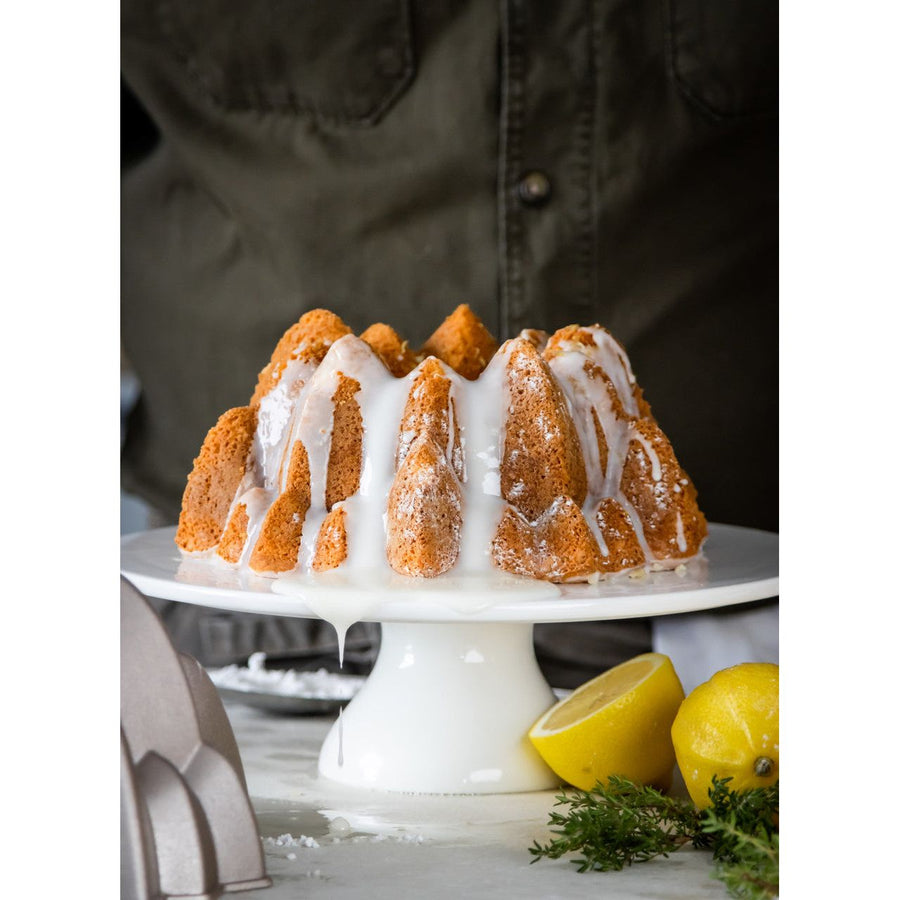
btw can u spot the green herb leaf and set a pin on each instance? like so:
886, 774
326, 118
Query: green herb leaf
612, 826
743, 831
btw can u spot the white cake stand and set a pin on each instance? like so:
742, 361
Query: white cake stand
456, 685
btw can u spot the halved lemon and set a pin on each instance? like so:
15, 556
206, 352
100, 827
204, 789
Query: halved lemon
618, 723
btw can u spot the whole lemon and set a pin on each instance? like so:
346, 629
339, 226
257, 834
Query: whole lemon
728, 727
615, 724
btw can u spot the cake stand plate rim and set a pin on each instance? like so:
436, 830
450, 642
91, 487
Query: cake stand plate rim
740, 565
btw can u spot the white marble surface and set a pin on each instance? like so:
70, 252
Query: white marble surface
369, 844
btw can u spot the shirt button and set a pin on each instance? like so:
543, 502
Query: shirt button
534, 188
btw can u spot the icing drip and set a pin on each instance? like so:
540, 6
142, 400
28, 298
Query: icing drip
656, 469
580, 392
481, 407
590, 394
262, 482
257, 501
679, 533
274, 420
365, 509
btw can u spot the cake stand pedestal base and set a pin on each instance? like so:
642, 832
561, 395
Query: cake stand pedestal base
456, 687
446, 710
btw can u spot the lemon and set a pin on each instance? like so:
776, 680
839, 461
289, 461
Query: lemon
615, 724
728, 726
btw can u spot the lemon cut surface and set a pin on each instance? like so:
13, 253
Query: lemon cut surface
619, 723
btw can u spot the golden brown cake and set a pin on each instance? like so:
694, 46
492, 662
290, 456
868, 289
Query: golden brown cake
539, 458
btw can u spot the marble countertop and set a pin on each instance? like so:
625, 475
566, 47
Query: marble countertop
323, 839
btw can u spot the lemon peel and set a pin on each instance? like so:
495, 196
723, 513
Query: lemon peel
728, 727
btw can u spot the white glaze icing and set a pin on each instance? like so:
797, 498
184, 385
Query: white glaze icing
481, 406
300, 408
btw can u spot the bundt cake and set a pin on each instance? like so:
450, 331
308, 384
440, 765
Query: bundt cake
540, 458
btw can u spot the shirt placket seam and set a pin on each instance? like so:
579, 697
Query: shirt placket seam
511, 160
589, 250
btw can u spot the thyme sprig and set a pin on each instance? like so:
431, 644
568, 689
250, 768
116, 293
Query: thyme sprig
623, 822
614, 826
743, 830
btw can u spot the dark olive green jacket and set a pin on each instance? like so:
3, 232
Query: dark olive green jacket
546, 162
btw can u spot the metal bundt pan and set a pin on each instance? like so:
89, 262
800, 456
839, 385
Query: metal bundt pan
188, 828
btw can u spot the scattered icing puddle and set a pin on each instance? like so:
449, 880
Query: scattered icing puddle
318, 685
340, 831
289, 842
368, 830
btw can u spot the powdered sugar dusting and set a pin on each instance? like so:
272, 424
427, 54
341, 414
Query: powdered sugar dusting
316, 685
